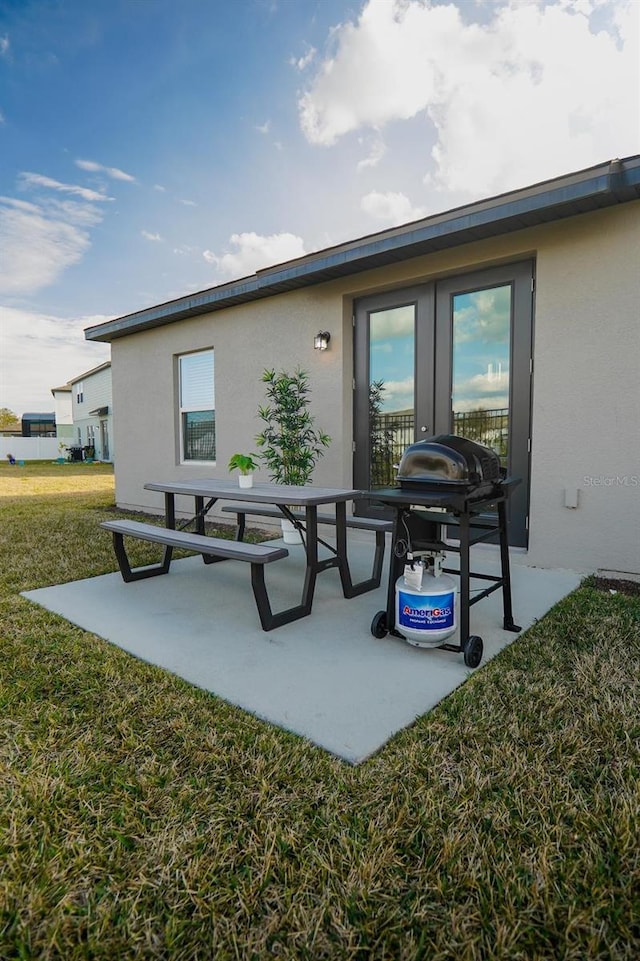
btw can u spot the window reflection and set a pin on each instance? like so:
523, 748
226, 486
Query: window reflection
391, 389
480, 367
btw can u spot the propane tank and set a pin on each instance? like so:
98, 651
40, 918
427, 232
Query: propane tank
425, 602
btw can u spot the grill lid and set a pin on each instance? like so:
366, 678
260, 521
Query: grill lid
448, 462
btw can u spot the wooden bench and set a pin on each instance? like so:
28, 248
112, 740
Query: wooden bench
212, 549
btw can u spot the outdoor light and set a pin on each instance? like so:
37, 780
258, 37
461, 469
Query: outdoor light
321, 340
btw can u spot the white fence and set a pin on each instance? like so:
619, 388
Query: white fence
31, 448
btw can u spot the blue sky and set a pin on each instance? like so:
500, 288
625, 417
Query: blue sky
149, 148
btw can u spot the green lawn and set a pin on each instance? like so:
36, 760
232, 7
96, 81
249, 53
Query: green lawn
142, 818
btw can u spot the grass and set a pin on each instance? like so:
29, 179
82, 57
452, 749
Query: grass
143, 818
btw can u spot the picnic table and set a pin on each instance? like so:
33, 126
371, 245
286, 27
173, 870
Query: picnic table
297, 504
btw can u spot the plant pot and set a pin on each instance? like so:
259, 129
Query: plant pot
290, 532
245, 480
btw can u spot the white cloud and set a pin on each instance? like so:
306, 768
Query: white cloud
40, 351
264, 128
377, 151
74, 212
398, 394
149, 236
390, 207
37, 246
4, 45
39, 180
392, 323
301, 63
20, 204
528, 93
485, 318
254, 251
39, 240
488, 391
160, 188
189, 203
114, 172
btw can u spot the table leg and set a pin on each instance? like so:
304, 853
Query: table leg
170, 522
199, 515
349, 589
311, 548
170, 510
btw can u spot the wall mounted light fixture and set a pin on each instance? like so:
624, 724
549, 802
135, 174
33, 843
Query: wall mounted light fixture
321, 340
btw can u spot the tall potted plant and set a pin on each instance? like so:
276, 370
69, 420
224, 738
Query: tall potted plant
291, 445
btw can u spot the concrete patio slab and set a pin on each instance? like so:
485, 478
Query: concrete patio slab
323, 677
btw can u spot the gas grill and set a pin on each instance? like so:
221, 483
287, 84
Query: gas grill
447, 464
449, 486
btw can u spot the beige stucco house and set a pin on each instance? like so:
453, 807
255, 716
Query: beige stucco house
514, 320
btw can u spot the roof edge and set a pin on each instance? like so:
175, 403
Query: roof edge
615, 181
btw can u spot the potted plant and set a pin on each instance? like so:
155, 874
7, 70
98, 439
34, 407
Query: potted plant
291, 445
246, 465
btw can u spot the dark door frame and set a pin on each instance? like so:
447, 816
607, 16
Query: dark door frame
432, 381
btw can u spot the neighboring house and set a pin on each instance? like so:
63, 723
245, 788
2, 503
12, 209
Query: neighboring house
513, 320
92, 412
63, 413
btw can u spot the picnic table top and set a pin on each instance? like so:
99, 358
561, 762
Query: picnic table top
258, 494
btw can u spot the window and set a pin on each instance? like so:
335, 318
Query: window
197, 407
79, 392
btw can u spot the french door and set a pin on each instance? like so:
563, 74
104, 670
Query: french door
449, 357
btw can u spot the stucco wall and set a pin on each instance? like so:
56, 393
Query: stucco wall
585, 389
274, 333
586, 415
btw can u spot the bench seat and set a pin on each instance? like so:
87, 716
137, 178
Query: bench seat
212, 549
212, 546
379, 527
356, 523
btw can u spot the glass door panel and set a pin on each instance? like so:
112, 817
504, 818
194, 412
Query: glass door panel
391, 390
481, 351
483, 370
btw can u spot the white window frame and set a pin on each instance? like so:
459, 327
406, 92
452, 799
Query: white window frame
80, 392
191, 406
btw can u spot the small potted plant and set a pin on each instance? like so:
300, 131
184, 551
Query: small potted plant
246, 465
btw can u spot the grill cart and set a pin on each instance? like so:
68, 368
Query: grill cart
444, 482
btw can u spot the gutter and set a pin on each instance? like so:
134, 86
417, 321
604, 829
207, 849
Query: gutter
617, 181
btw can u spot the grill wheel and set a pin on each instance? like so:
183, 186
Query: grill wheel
379, 627
473, 650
